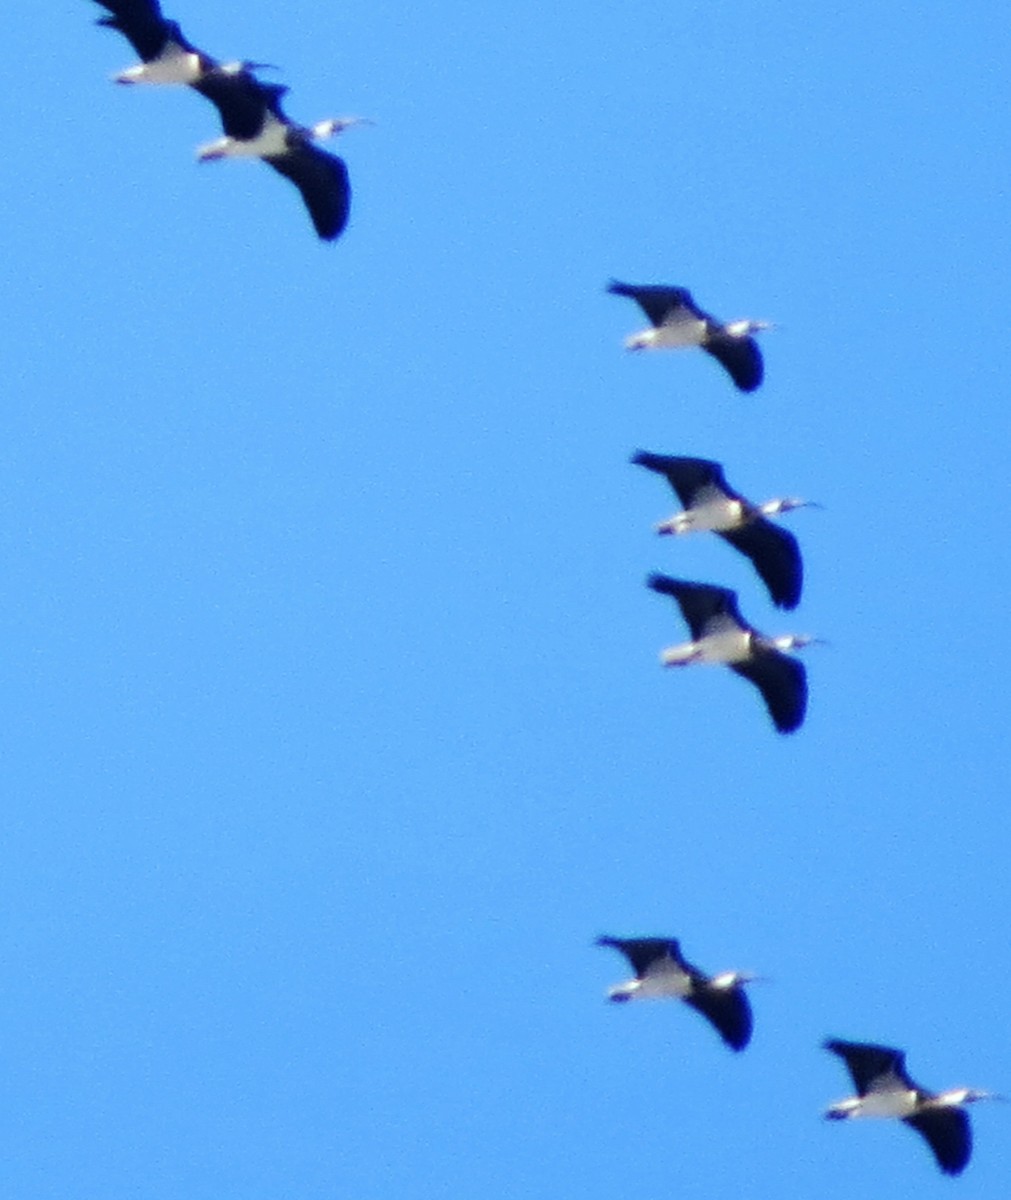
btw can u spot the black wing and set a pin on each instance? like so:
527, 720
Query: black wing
700, 603
866, 1061
740, 356
142, 24
728, 1010
323, 181
948, 1133
658, 302
782, 680
642, 953
687, 476
241, 99
775, 554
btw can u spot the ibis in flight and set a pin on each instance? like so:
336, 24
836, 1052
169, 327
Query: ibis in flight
711, 504
884, 1089
721, 635
253, 122
256, 127
661, 972
677, 322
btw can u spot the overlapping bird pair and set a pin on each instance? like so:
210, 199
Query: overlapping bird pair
252, 118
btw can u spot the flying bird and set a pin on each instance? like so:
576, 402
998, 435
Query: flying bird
721, 635
711, 504
661, 971
884, 1089
256, 127
677, 322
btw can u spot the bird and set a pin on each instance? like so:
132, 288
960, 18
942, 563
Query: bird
711, 504
884, 1089
661, 972
167, 57
721, 635
679, 322
256, 127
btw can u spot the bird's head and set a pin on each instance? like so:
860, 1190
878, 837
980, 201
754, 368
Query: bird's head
747, 327
332, 126
732, 979
244, 66
795, 641
970, 1095
785, 504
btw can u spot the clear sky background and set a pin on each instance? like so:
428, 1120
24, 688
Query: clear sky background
333, 728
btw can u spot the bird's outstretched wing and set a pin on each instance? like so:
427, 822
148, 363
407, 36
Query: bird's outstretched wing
322, 179
142, 24
642, 953
782, 680
687, 476
949, 1135
775, 555
660, 304
867, 1061
728, 1010
241, 99
700, 603
741, 358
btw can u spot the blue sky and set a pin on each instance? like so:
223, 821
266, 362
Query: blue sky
334, 729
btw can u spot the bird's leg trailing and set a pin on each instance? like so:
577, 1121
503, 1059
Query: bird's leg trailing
680, 523
682, 655
842, 1110
214, 150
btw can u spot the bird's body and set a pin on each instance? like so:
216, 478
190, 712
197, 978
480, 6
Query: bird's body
661, 972
712, 505
885, 1090
678, 323
721, 635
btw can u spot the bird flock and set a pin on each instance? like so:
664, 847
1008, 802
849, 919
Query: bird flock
719, 634
254, 125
